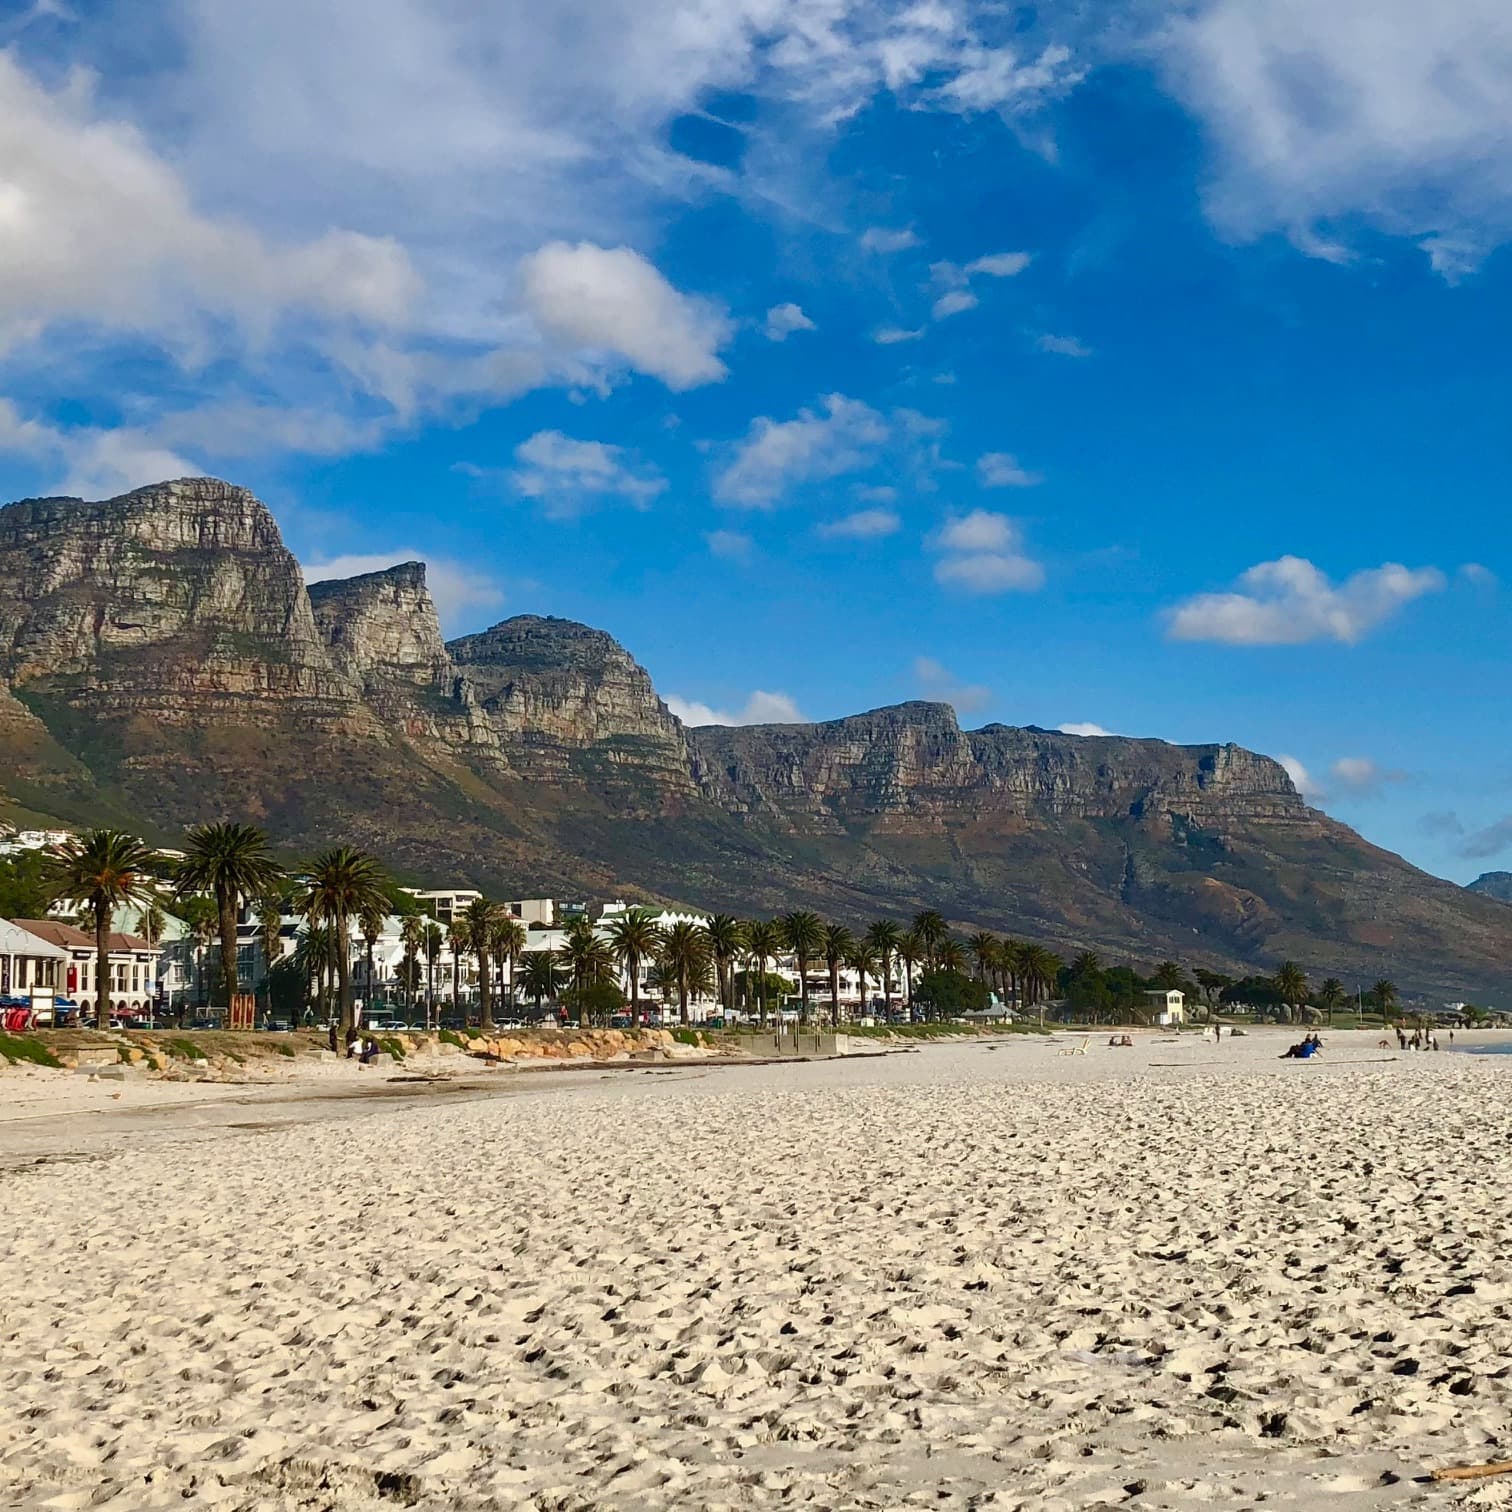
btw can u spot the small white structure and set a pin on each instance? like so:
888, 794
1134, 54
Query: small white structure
1168, 1005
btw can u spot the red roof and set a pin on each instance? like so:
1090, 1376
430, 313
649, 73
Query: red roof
56, 932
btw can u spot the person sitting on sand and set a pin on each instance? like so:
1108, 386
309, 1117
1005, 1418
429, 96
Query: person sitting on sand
1127, 1042
369, 1051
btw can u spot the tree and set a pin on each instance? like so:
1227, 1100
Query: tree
270, 937
634, 939
1037, 969
725, 942
950, 955
1168, 976
508, 940
1291, 986
949, 993
23, 885
884, 940
1384, 995
232, 863
539, 976
983, 948
342, 884
205, 931
103, 870
479, 921
1211, 983
930, 929
762, 941
370, 924
912, 951
1331, 995
685, 958
586, 958
839, 943
412, 938
803, 934
859, 959
1011, 954
457, 937
435, 938
151, 923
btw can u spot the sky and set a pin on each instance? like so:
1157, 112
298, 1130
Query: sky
1138, 367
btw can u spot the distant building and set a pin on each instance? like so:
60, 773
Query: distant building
27, 962
133, 966
1167, 1004
445, 903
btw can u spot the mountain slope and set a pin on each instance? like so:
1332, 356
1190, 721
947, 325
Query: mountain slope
162, 661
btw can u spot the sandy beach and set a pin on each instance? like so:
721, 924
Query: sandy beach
979, 1275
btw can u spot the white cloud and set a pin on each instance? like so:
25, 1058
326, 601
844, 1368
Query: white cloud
863, 525
876, 493
729, 545
778, 454
1301, 778
1000, 264
1003, 79
611, 299
880, 239
1361, 776
1084, 728
954, 303
1392, 111
936, 682
982, 553
784, 319
1289, 602
760, 708
96, 228
459, 592
1063, 346
1481, 577
892, 335
1002, 470
91, 463
566, 474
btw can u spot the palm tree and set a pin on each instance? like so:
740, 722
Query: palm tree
911, 951
1011, 954
370, 924
479, 921
458, 938
950, 955
539, 975
931, 929
885, 941
983, 948
412, 938
233, 864
205, 931
587, 959
270, 937
724, 931
507, 940
685, 957
839, 942
435, 938
634, 939
762, 941
1331, 995
341, 885
860, 960
1167, 976
1036, 966
803, 934
1384, 995
103, 869
1291, 986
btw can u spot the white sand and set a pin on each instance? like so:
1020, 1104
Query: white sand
978, 1276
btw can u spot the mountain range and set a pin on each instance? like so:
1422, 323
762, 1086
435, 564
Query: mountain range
163, 662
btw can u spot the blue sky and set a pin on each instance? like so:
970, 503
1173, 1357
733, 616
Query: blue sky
1144, 371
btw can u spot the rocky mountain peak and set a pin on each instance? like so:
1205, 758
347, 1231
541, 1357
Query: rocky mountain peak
383, 625
1495, 884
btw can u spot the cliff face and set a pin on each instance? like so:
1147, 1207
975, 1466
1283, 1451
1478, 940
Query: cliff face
1496, 885
569, 703
914, 764
163, 663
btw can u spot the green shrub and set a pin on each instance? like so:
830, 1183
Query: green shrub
22, 1047
184, 1049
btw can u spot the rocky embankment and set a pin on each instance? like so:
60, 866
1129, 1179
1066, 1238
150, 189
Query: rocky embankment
226, 1056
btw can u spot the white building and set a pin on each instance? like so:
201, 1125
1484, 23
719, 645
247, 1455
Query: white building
1168, 1005
133, 966
29, 963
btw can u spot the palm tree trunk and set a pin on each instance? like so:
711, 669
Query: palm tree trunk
633, 962
343, 972
834, 994
485, 992
456, 978
102, 966
225, 903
